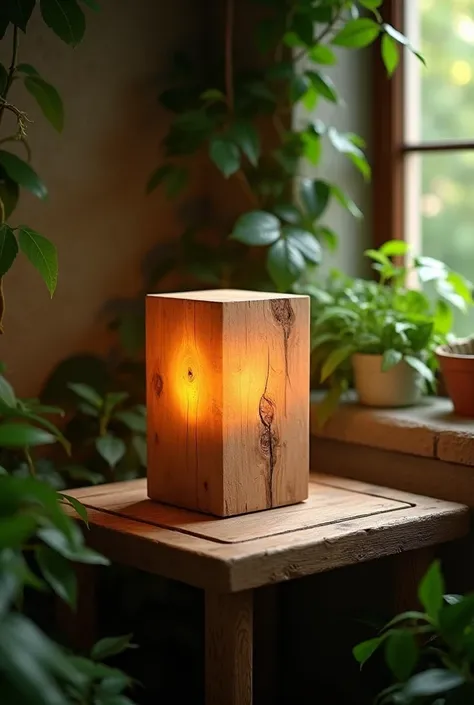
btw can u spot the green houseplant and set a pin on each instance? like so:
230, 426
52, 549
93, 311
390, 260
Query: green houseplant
429, 653
39, 542
240, 122
384, 332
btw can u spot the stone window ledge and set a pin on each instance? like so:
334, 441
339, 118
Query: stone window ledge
430, 430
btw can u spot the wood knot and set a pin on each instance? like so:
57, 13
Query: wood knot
190, 375
157, 384
283, 313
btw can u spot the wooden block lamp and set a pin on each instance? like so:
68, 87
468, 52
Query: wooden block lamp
228, 400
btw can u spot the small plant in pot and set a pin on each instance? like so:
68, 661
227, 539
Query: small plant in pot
382, 335
456, 360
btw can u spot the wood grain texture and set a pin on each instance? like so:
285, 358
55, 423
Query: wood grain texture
325, 505
229, 567
228, 400
229, 648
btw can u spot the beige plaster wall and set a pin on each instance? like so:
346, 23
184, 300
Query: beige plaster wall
97, 213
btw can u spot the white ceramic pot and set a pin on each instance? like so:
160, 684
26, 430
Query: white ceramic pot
399, 386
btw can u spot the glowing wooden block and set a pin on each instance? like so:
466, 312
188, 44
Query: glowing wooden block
228, 400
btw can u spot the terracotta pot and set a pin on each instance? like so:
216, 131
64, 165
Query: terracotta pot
457, 366
399, 386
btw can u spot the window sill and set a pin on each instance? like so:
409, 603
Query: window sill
429, 431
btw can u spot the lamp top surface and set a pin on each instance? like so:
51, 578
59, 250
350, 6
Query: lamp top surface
227, 295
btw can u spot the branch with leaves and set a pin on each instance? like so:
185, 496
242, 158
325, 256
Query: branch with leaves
297, 40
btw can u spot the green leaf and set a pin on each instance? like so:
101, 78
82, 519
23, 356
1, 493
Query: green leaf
371, 4
158, 176
213, 95
303, 27
288, 213
84, 391
411, 615
20, 435
346, 202
9, 193
322, 54
65, 18
140, 446
443, 321
82, 474
28, 69
432, 682
48, 100
395, 248
390, 54
56, 540
285, 263
323, 85
111, 646
59, 573
8, 248
363, 651
22, 173
19, 12
314, 195
329, 404
246, 138
16, 530
7, 395
42, 254
111, 449
357, 33
378, 256
431, 590
423, 370
133, 421
257, 228
225, 155
328, 236
305, 242
460, 286
77, 506
401, 653
390, 359
361, 163
456, 617
335, 359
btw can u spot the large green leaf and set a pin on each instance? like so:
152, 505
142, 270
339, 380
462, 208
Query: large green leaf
8, 248
323, 85
322, 54
423, 369
363, 651
225, 155
16, 530
111, 646
78, 507
357, 33
346, 202
134, 421
246, 137
390, 359
335, 360
431, 590
257, 228
7, 395
305, 242
42, 254
20, 435
111, 448
314, 196
432, 682
390, 53
401, 653
18, 11
59, 573
65, 18
22, 173
9, 193
86, 392
48, 100
73, 550
285, 263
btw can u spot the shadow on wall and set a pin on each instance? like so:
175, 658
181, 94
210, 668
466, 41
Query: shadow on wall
97, 214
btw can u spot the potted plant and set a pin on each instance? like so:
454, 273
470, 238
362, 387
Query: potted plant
383, 335
456, 360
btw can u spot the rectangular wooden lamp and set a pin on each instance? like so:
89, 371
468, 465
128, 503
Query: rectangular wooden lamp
228, 400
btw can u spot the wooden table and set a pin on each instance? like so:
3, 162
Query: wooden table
343, 522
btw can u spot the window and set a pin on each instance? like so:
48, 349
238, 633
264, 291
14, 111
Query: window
424, 146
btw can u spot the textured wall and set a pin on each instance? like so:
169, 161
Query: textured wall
97, 214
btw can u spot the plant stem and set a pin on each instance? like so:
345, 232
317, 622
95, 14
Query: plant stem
229, 55
320, 36
30, 463
11, 71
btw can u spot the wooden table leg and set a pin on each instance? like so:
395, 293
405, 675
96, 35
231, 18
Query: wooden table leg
410, 567
229, 648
